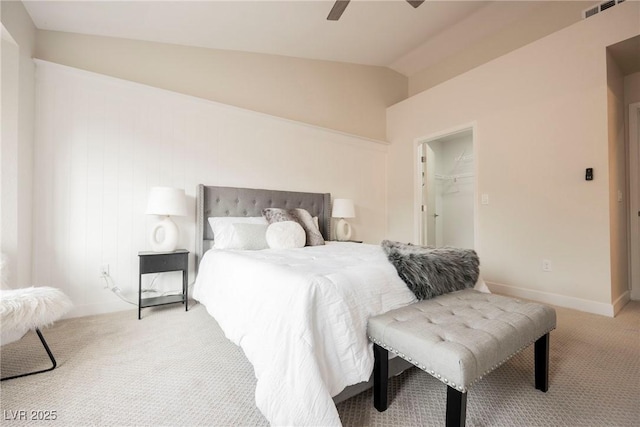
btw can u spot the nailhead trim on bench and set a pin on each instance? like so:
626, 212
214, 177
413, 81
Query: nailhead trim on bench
444, 380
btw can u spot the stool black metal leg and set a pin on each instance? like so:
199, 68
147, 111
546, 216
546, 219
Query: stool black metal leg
541, 357
46, 347
380, 377
456, 408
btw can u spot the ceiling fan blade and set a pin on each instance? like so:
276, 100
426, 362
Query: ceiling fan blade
336, 11
415, 3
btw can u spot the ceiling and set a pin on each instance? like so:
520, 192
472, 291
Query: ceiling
387, 33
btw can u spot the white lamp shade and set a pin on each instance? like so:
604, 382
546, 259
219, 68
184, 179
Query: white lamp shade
166, 201
343, 208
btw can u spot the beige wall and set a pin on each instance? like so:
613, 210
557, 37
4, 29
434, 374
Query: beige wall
345, 97
618, 205
542, 21
18, 111
541, 118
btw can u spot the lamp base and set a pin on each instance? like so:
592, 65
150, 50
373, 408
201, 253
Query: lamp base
343, 230
170, 232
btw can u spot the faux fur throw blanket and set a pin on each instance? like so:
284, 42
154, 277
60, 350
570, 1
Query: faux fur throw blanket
429, 272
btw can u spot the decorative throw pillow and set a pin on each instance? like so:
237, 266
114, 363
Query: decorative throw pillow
251, 236
285, 235
429, 272
302, 217
224, 233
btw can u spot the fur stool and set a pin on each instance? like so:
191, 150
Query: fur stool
30, 308
458, 338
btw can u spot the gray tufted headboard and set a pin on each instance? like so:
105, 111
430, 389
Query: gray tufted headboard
231, 201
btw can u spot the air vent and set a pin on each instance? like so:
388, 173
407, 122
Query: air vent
600, 8
606, 5
591, 12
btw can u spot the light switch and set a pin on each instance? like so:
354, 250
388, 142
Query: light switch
589, 174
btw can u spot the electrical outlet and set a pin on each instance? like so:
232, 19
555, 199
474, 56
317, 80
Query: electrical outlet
104, 270
484, 199
546, 265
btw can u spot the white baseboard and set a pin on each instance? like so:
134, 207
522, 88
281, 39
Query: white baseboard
112, 306
102, 308
594, 307
621, 302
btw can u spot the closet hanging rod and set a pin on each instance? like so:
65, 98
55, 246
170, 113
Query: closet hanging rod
453, 177
464, 157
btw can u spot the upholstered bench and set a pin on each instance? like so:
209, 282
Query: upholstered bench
458, 338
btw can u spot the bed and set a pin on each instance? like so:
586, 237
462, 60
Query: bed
299, 315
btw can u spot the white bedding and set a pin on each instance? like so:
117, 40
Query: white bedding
300, 315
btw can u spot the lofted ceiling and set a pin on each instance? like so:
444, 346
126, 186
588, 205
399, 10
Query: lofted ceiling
387, 33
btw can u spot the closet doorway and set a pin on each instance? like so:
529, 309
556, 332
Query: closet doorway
448, 190
634, 200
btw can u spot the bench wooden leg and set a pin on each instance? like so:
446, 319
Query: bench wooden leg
542, 363
380, 377
456, 408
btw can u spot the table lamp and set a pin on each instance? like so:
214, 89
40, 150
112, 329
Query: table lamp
165, 202
343, 208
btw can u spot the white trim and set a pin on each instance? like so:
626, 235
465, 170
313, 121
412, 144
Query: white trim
575, 303
418, 225
6, 36
144, 87
634, 201
476, 188
101, 308
621, 302
417, 177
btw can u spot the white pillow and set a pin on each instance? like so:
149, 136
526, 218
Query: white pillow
225, 235
285, 235
250, 236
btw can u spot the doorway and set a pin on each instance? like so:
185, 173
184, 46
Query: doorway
448, 190
634, 199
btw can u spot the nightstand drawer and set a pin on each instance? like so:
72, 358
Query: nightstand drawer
163, 263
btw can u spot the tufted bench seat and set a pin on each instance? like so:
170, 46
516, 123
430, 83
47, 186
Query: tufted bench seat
458, 338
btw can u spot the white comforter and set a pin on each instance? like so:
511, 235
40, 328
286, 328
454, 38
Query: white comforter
300, 315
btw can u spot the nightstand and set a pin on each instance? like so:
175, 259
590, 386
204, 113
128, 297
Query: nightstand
161, 262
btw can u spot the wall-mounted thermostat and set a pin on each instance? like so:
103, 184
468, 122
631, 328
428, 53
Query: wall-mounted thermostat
589, 174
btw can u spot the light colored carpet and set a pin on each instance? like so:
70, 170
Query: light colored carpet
177, 368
